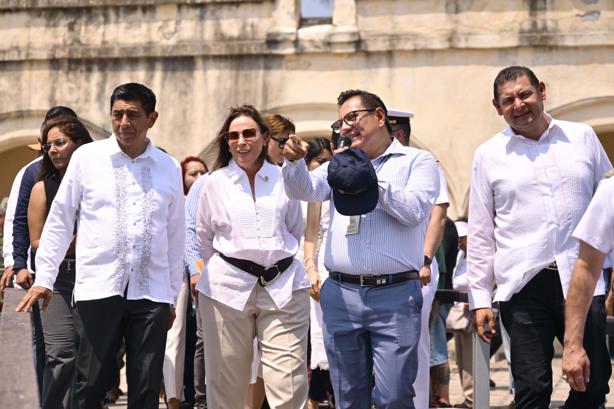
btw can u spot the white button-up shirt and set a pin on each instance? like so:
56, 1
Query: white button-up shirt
228, 221
526, 198
597, 225
130, 224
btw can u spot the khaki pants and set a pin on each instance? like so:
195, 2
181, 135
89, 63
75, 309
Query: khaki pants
463, 343
282, 335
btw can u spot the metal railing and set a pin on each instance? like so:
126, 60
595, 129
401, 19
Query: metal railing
481, 354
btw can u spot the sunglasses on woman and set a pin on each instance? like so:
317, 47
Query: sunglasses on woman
233, 136
281, 142
58, 143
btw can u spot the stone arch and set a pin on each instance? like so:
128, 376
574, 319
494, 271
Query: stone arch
597, 112
19, 128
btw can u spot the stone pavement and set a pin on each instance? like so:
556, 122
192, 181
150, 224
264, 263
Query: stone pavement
499, 396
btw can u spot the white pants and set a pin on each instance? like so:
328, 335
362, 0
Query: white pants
282, 337
422, 383
174, 353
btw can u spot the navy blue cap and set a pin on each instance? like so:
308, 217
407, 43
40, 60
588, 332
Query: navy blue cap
352, 178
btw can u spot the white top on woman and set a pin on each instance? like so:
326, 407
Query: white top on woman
263, 231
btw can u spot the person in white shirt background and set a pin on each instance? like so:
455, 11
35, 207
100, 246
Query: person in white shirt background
252, 286
530, 185
126, 197
595, 232
429, 278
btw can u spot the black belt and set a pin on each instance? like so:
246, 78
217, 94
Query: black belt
265, 275
367, 280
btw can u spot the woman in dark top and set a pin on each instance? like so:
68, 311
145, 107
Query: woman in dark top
59, 140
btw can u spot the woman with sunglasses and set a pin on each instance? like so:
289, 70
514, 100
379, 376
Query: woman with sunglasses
280, 128
252, 286
60, 139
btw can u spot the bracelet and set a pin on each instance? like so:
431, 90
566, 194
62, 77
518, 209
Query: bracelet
314, 267
307, 259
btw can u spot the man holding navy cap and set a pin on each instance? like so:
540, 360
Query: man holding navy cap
383, 193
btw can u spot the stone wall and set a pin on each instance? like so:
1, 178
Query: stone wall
437, 58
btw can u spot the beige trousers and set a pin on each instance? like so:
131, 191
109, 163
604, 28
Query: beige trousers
174, 353
282, 335
463, 343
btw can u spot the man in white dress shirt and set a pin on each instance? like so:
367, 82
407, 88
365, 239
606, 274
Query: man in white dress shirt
596, 235
531, 183
125, 198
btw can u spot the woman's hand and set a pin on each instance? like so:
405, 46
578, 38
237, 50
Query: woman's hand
314, 279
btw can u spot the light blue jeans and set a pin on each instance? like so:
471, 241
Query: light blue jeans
372, 330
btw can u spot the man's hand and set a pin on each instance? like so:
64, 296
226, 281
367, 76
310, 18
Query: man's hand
193, 280
33, 295
425, 275
24, 278
171, 317
484, 317
295, 148
7, 278
576, 367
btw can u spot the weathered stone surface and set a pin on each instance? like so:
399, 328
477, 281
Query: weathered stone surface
17, 378
436, 58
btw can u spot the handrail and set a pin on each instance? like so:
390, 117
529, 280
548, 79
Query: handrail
17, 376
481, 354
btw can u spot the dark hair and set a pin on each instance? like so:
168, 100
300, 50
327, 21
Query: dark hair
184, 168
77, 132
316, 146
57, 111
133, 91
406, 127
368, 99
510, 74
223, 154
279, 124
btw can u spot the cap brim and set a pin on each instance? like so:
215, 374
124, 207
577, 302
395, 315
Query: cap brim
355, 205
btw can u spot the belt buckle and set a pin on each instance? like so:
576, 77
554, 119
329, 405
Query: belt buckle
378, 280
264, 282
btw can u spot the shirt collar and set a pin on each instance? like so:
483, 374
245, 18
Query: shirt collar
150, 151
551, 124
395, 148
266, 171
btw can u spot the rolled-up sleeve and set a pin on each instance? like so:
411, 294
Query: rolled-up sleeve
411, 204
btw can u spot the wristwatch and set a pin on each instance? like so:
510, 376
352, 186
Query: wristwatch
427, 261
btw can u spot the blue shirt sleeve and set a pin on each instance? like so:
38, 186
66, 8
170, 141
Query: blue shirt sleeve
21, 235
192, 251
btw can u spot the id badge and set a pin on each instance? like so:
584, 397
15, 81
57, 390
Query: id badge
353, 225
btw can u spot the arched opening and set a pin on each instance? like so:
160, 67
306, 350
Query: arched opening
597, 112
19, 129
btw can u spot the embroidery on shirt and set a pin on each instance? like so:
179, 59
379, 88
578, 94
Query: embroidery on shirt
142, 273
120, 234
